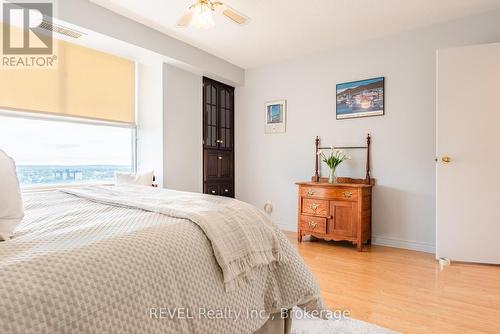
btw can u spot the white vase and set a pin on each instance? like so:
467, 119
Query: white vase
332, 178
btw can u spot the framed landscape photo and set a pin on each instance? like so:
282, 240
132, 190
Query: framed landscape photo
275, 117
362, 98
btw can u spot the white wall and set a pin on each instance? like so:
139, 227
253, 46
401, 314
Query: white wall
182, 129
403, 140
150, 118
169, 126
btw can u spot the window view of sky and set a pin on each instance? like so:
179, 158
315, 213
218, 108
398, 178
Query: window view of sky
48, 142
49, 152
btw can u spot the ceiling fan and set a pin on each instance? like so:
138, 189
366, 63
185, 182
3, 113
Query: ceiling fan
200, 14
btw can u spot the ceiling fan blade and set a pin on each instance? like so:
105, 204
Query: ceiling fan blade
234, 15
186, 19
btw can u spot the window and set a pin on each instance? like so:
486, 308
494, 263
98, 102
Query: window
52, 151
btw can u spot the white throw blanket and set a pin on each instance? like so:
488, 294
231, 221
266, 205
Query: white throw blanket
242, 236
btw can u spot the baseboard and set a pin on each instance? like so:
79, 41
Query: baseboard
405, 244
384, 241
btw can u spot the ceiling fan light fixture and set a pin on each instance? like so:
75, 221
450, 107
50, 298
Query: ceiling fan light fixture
202, 16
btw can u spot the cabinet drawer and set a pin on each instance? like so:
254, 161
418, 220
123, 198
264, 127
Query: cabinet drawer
316, 207
220, 189
212, 189
340, 193
226, 190
313, 224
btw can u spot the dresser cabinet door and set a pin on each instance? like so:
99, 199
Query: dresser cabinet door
211, 164
225, 164
218, 165
342, 220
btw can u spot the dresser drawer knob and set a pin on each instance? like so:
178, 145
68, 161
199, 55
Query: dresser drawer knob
213, 191
310, 192
312, 225
347, 194
226, 190
314, 206
220, 158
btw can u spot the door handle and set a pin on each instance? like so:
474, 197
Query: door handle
446, 159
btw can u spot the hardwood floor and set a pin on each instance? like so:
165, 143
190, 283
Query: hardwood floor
405, 290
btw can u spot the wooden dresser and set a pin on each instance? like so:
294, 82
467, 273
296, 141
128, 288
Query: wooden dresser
340, 211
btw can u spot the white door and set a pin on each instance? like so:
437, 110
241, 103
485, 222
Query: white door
468, 132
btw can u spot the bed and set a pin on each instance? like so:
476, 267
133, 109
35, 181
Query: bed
144, 260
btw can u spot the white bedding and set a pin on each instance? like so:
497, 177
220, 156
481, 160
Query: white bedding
78, 266
242, 236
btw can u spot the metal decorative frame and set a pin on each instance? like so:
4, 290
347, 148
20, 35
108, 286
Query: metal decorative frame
368, 180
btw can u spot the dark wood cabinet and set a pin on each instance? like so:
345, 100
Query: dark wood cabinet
218, 138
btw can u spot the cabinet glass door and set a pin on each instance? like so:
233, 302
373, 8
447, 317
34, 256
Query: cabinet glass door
210, 130
226, 101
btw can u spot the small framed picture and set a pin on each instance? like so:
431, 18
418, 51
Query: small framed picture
276, 116
362, 98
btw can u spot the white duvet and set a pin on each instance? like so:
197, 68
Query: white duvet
79, 266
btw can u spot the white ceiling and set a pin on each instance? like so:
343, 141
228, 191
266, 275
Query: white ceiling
283, 29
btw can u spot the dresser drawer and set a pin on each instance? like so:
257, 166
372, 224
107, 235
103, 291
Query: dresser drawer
338, 193
316, 207
313, 224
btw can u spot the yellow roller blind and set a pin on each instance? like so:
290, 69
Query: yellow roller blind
86, 83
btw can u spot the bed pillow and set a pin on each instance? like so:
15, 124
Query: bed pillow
11, 204
144, 179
